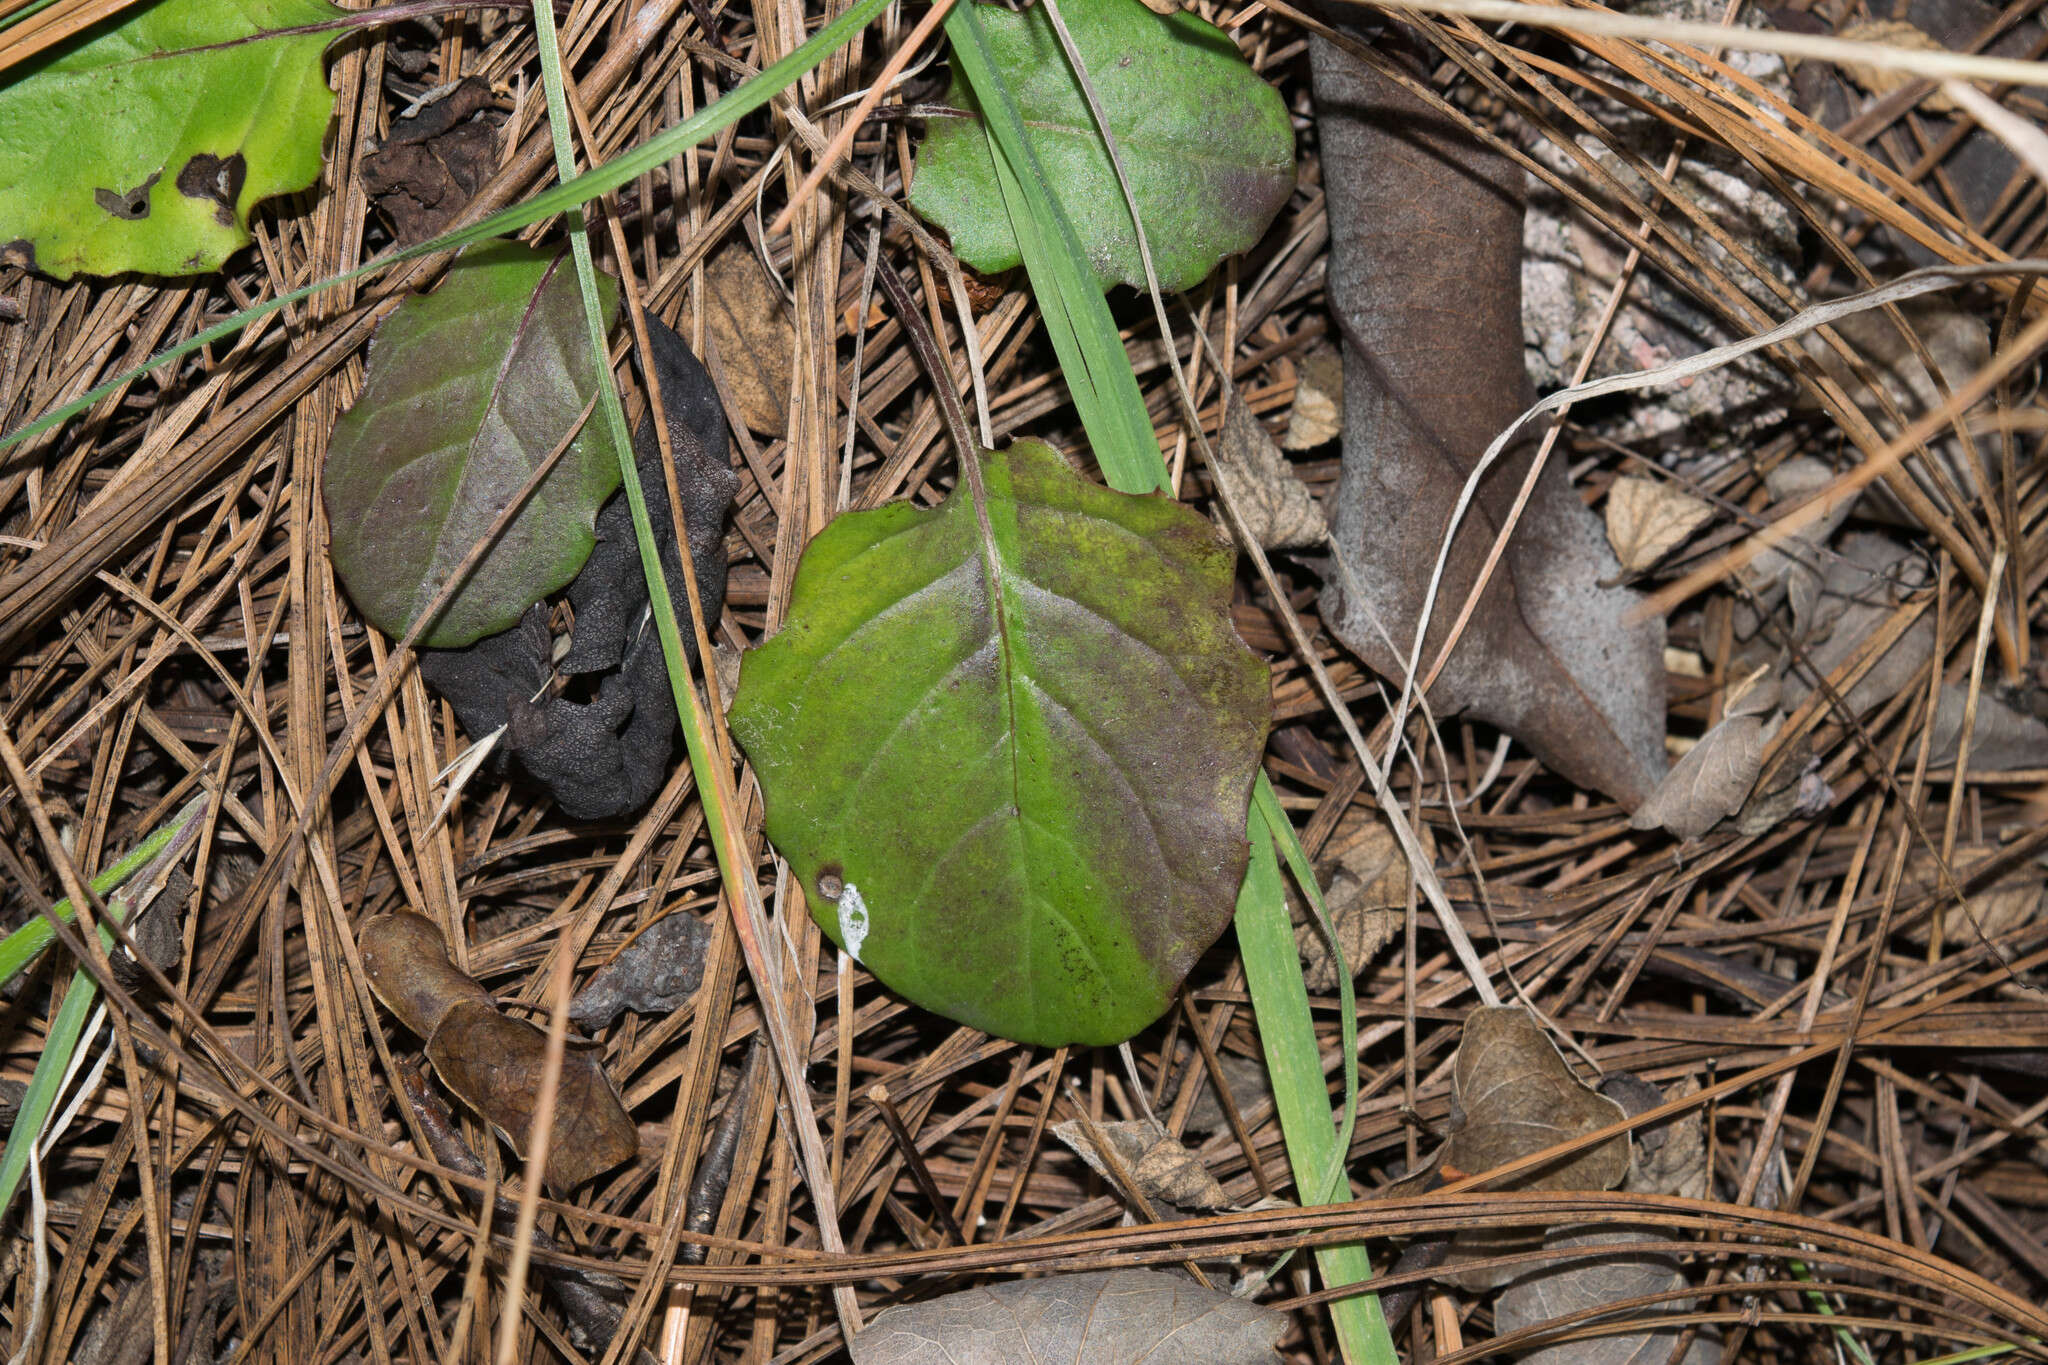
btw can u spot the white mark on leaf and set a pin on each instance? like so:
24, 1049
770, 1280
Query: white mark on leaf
853, 921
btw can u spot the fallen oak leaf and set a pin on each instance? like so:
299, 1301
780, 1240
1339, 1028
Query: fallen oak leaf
1649, 518
492, 1062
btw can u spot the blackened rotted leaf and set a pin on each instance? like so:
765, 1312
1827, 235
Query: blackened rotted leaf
657, 972
492, 1062
434, 162
606, 757
1425, 233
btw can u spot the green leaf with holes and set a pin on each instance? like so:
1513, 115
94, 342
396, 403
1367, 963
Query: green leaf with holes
468, 389
1207, 144
144, 143
1008, 750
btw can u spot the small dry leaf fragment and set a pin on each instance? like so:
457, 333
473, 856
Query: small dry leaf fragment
494, 1063
1880, 80
1998, 909
1248, 1083
1113, 1315
1277, 507
1514, 1095
1317, 414
1163, 1168
1649, 518
749, 324
1710, 783
1366, 892
657, 972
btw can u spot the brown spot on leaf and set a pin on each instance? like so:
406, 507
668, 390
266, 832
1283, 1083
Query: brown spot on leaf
207, 176
132, 206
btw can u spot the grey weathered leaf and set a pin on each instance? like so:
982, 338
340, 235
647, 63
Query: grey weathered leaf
655, 973
1130, 1317
1515, 1095
1425, 235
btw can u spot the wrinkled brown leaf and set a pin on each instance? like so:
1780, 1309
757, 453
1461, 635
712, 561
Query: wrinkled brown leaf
1317, 414
492, 1062
1425, 237
1277, 507
1515, 1095
1649, 518
1089, 1319
748, 322
434, 163
1161, 1166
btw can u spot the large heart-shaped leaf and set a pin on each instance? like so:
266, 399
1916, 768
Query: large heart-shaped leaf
145, 144
1008, 748
468, 390
1206, 143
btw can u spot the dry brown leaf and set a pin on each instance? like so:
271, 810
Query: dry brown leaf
492, 1062
1317, 414
1715, 776
1277, 507
749, 324
1881, 80
1649, 518
1515, 1095
1163, 1168
1086, 1319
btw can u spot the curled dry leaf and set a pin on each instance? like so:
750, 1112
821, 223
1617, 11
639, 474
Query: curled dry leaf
1162, 1167
657, 972
1797, 565
748, 321
1277, 507
1649, 518
434, 162
1101, 1316
1317, 414
1716, 775
494, 1063
1425, 239
1514, 1095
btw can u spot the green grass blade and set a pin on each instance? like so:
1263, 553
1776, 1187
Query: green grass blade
628, 165
1098, 374
43, 1086
25, 944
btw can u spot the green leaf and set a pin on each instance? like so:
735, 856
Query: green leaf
145, 144
1207, 144
468, 390
1009, 755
